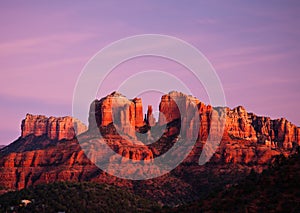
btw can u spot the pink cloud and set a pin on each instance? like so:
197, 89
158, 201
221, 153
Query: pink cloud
42, 43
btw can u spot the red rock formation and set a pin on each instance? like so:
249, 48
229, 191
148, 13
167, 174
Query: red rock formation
287, 133
204, 112
249, 138
298, 136
239, 124
110, 109
34, 124
139, 119
176, 105
248, 126
22, 169
169, 109
149, 116
53, 128
115, 108
249, 141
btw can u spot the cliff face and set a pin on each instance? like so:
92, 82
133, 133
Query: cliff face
248, 142
22, 169
239, 125
53, 128
247, 138
274, 133
125, 114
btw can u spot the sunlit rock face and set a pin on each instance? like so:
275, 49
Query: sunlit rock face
54, 128
118, 110
48, 149
274, 133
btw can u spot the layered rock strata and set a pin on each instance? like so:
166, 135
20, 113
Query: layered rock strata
248, 141
54, 128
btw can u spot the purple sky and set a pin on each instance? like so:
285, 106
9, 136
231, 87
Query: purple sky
254, 47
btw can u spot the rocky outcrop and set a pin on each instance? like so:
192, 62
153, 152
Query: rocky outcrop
177, 112
263, 130
178, 106
248, 142
239, 125
149, 117
138, 109
54, 128
247, 138
115, 108
22, 169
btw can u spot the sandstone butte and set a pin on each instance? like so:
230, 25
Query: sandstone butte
54, 128
48, 150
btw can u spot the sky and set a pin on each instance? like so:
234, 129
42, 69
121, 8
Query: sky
254, 47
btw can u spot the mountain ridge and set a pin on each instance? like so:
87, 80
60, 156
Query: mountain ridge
249, 142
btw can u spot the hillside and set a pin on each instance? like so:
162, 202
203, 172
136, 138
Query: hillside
275, 190
76, 197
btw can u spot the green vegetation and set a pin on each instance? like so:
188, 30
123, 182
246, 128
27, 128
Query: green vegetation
275, 190
75, 197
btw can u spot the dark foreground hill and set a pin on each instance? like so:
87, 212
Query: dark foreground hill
275, 190
75, 197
